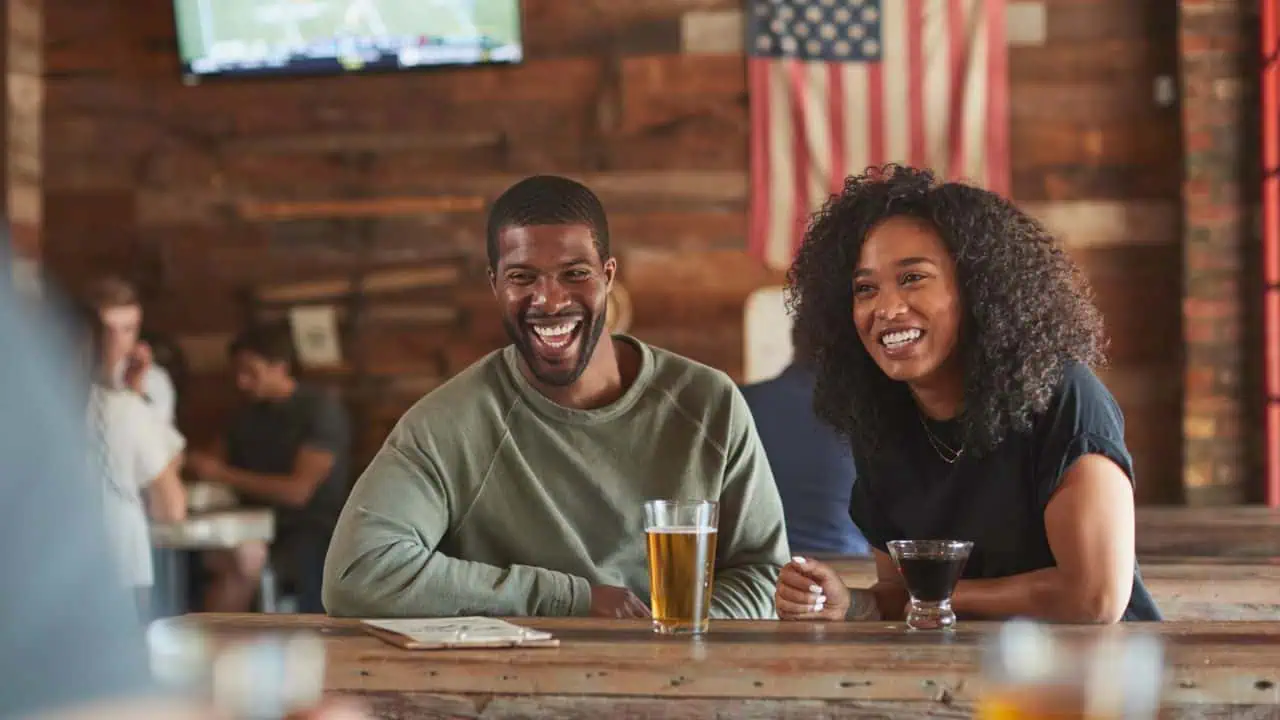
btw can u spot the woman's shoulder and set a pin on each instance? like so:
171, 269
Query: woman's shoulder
1082, 396
1083, 416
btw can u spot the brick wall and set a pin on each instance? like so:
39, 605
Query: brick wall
1219, 52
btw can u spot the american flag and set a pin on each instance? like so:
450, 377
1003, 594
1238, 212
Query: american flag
839, 85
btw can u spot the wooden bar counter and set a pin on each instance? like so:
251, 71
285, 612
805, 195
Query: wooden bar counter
748, 669
1241, 532
1183, 588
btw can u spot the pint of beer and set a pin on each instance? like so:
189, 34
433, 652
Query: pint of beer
682, 557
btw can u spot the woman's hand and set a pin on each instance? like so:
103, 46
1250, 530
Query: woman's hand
809, 590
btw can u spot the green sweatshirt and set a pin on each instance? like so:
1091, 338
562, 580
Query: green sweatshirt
489, 499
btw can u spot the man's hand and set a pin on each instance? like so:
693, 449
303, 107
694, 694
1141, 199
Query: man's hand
205, 465
137, 364
616, 602
809, 590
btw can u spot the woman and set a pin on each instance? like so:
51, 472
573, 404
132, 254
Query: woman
954, 341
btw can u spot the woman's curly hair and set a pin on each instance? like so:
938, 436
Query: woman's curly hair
1028, 309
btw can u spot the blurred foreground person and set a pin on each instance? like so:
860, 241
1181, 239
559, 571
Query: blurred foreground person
71, 643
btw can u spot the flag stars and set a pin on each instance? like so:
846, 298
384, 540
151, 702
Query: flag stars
870, 48
869, 15
842, 48
827, 31
813, 14
801, 29
842, 15
764, 43
789, 45
814, 47
856, 32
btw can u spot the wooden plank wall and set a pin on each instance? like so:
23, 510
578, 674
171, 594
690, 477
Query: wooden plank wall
645, 100
21, 47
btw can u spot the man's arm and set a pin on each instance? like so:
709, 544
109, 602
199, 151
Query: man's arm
310, 467
752, 537
167, 496
384, 559
158, 391
157, 454
327, 431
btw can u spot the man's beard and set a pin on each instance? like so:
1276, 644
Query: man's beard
589, 336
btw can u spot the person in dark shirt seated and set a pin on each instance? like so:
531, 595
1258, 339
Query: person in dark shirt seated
811, 463
288, 448
954, 340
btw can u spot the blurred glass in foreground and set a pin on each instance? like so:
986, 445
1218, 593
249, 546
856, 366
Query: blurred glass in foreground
259, 676
1030, 673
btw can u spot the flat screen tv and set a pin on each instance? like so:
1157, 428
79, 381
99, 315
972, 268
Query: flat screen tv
295, 37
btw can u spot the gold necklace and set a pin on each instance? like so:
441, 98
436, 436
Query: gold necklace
940, 447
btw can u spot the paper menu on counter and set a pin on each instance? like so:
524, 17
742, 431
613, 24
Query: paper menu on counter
461, 632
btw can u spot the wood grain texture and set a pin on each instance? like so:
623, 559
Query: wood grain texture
1185, 591
1210, 664
645, 101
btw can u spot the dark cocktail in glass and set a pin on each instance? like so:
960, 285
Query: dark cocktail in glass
930, 569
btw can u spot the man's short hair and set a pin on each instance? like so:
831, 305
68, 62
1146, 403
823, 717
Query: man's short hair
547, 200
110, 291
271, 342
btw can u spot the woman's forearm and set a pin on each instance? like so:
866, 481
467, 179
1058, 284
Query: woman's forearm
1048, 594
862, 605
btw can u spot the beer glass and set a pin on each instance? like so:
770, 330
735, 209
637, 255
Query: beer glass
930, 569
681, 537
1030, 672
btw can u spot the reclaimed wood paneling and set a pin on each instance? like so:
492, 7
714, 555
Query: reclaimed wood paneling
22, 71
643, 100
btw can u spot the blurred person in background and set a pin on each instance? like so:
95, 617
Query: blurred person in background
137, 457
811, 463
71, 643
129, 360
287, 447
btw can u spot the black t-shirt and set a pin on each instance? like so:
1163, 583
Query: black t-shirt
265, 437
997, 500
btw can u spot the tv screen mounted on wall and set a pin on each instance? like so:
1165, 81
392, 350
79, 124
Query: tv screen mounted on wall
297, 37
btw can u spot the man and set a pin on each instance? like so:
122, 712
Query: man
288, 448
138, 457
516, 488
128, 358
811, 462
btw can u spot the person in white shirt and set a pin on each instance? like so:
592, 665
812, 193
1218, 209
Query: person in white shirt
137, 455
129, 359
